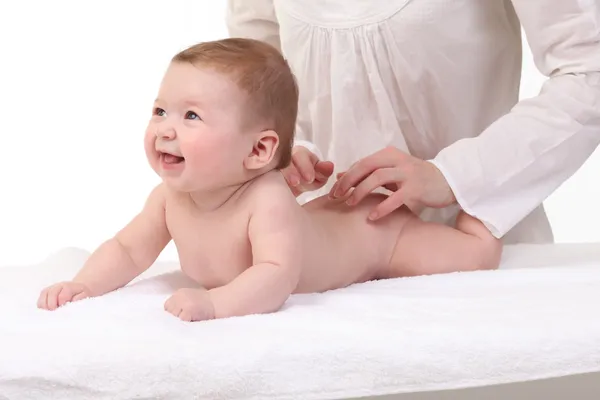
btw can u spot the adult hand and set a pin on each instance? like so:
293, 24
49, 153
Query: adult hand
306, 172
416, 183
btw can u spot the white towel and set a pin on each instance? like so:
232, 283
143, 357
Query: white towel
394, 336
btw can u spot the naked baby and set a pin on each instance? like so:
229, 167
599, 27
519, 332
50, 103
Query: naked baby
221, 130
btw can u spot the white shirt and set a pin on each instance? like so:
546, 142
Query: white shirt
440, 79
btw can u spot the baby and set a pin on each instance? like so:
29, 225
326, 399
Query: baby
222, 129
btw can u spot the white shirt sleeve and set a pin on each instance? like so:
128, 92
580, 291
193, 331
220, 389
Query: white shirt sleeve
254, 19
520, 159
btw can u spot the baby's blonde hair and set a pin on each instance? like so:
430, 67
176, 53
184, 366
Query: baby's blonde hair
264, 75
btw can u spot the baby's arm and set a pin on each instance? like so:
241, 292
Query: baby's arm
131, 251
120, 259
274, 232
426, 248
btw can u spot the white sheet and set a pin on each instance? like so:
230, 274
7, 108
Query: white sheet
394, 336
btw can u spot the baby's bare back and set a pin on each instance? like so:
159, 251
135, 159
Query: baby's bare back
343, 246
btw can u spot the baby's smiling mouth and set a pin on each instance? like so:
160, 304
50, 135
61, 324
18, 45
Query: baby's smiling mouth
169, 158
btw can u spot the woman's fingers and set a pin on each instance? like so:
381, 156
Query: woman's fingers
323, 170
385, 158
378, 178
393, 202
416, 183
305, 169
305, 162
291, 175
306, 172
336, 184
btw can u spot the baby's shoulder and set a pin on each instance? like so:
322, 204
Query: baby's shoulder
270, 187
270, 194
156, 198
273, 209
171, 201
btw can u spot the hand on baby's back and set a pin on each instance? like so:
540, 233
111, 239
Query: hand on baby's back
306, 172
62, 293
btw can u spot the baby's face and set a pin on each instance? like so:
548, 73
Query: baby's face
194, 141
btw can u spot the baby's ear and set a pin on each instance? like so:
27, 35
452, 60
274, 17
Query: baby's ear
263, 150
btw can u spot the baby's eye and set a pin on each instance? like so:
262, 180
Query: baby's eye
192, 115
160, 112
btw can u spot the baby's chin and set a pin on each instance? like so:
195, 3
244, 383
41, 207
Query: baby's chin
182, 184
177, 184
186, 180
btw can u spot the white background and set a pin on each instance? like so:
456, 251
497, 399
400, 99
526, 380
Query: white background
77, 80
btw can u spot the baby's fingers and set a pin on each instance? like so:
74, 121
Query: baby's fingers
43, 300
185, 315
172, 307
64, 296
169, 304
80, 296
52, 300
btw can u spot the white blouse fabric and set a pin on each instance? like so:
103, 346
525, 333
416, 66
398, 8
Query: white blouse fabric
440, 80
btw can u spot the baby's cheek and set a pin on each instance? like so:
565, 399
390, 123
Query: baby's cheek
150, 144
210, 153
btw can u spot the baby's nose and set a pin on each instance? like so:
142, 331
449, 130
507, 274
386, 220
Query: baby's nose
166, 133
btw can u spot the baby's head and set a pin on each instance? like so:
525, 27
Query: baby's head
225, 113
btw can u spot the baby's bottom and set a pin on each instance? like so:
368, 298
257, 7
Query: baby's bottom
425, 248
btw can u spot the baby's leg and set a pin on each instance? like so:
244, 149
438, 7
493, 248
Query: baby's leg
425, 248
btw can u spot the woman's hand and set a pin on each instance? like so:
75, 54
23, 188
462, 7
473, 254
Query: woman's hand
306, 172
416, 183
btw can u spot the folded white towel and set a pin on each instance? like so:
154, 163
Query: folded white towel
394, 336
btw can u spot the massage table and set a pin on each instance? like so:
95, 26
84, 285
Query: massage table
528, 330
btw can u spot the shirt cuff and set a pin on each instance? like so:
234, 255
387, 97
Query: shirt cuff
462, 202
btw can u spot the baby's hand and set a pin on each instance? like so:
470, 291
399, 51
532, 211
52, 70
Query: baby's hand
61, 293
191, 305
